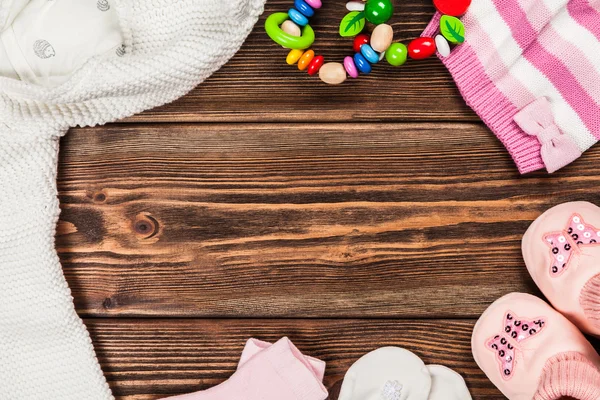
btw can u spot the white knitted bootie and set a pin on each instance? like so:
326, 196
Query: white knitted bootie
132, 56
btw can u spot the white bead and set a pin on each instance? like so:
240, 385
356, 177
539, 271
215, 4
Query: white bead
443, 47
355, 6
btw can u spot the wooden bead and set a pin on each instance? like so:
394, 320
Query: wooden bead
315, 65
291, 28
305, 60
332, 73
293, 56
443, 47
382, 37
359, 40
421, 48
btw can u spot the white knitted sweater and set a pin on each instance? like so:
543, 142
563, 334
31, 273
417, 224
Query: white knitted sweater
170, 47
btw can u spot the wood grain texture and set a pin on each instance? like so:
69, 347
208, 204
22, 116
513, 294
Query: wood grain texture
379, 212
258, 86
151, 359
353, 220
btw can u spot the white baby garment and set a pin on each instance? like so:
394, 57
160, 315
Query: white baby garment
65, 63
388, 373
49, 39
447, 384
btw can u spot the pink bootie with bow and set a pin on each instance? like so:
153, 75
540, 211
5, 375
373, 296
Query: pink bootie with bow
530, 351
561, 250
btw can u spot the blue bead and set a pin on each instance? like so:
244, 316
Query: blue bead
370, 54
304, 8
297, 17
361, 63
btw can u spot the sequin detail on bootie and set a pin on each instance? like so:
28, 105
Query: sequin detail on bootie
564, 244
505, 345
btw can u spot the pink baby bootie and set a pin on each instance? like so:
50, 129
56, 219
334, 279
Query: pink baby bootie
530, 351
562, 253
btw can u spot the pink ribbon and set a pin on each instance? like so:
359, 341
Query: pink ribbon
557, 149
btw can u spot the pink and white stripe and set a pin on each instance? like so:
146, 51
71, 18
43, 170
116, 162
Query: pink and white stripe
518, 51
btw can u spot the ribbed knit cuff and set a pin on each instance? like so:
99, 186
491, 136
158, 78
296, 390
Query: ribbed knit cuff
492, 106
590, 300
569, 374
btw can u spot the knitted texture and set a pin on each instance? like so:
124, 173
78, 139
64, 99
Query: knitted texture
518, 52
170, 47
569, 375
590, 300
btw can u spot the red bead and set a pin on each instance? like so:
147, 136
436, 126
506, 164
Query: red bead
359, 40
421, 48
315, 65
455, 8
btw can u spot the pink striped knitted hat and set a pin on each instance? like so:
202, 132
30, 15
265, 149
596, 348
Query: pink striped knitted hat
531, 70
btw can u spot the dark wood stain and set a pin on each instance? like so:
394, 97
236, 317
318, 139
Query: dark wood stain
264, 203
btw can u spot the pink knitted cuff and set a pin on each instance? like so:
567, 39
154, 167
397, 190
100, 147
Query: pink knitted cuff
489, 103
569, 375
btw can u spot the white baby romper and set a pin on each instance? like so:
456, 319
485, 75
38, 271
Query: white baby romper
66, 63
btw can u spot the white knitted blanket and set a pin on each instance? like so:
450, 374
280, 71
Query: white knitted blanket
170, 47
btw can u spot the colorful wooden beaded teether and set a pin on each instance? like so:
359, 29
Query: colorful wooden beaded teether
293, 31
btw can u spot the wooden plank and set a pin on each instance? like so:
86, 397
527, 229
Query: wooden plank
258, 86
151, 359
360, 220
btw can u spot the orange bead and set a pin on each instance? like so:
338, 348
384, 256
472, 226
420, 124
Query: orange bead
305, 60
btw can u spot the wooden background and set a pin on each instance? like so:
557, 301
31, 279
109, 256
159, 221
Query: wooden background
264, 203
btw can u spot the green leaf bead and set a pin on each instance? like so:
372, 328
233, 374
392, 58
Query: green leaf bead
352, 24
396, 54
378, 11
452, 29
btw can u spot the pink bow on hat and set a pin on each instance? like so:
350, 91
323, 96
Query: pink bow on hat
557, 149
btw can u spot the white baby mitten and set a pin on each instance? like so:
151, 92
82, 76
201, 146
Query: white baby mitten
447, 384
388, 373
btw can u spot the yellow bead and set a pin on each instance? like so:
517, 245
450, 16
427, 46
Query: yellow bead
306, 58
293, 56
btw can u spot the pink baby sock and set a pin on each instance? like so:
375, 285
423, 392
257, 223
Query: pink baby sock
255, 346
269, 372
